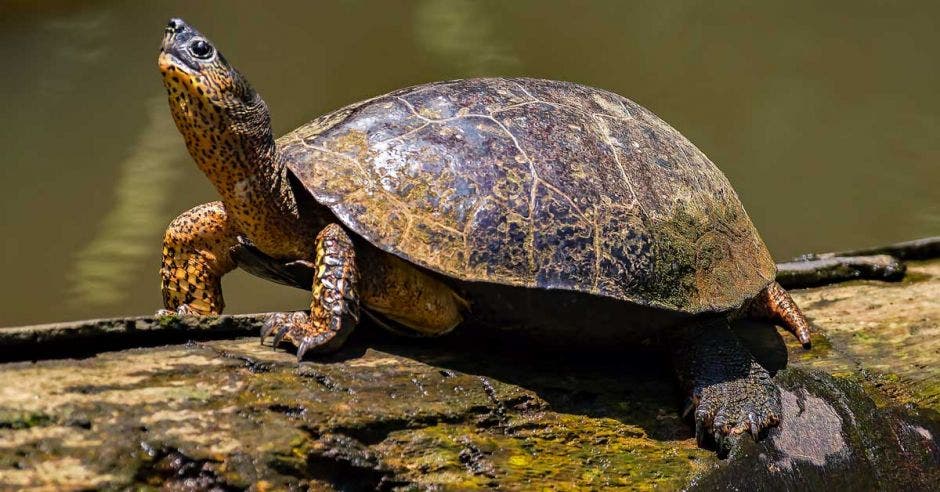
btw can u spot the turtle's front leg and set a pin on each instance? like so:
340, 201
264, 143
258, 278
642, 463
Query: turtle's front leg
731, 393
334, 310
195, 257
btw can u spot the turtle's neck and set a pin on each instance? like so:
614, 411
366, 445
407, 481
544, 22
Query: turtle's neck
237, 153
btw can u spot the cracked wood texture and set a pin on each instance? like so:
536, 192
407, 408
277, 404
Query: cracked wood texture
861, 411
535, 183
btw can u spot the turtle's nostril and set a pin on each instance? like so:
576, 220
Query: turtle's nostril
175, 26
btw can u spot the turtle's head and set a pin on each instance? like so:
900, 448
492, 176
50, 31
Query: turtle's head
195, 71
213, 105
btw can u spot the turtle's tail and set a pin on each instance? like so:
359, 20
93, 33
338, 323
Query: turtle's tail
775, 304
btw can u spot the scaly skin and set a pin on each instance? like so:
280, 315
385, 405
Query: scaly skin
334, 310
418, 303
195, 256
227, 129
729, 391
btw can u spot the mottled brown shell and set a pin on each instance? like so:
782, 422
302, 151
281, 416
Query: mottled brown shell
535, 183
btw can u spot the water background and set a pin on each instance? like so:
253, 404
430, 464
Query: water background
824, 115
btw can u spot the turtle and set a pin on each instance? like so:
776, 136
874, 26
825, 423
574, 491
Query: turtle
550, 208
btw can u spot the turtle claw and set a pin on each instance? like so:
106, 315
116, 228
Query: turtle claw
269, 325
699, 432
733, 394
299, 330
181, 311
279, 324
753, 426
302, 349
162, 313
279, 336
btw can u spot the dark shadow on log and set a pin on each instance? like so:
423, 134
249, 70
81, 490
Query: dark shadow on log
633, 384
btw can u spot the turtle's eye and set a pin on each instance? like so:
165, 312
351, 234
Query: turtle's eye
201, 49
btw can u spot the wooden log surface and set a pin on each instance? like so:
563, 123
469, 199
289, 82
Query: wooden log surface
861, 411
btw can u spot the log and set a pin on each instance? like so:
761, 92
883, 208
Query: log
88, 337
918, 249
860, 410
884, 263
126, 404
818, 270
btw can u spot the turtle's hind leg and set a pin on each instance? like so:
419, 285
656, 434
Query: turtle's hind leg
415, 301
195, 257
731, 393
334, 310
775, 304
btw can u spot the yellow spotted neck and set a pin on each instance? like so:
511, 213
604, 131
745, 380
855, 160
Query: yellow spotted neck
240, 158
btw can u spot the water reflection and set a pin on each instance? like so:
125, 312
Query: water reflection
131, 230
86, 33
461, 34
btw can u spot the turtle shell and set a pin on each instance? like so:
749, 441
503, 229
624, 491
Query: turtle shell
535, 183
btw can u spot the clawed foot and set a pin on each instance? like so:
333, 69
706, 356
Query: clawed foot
299, 330
728, 409
181, 311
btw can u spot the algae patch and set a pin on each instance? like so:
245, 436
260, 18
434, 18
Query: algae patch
16, 419
548, 450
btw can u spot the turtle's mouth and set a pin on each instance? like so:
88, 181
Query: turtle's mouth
170, 63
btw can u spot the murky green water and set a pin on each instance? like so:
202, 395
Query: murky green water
824, 115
